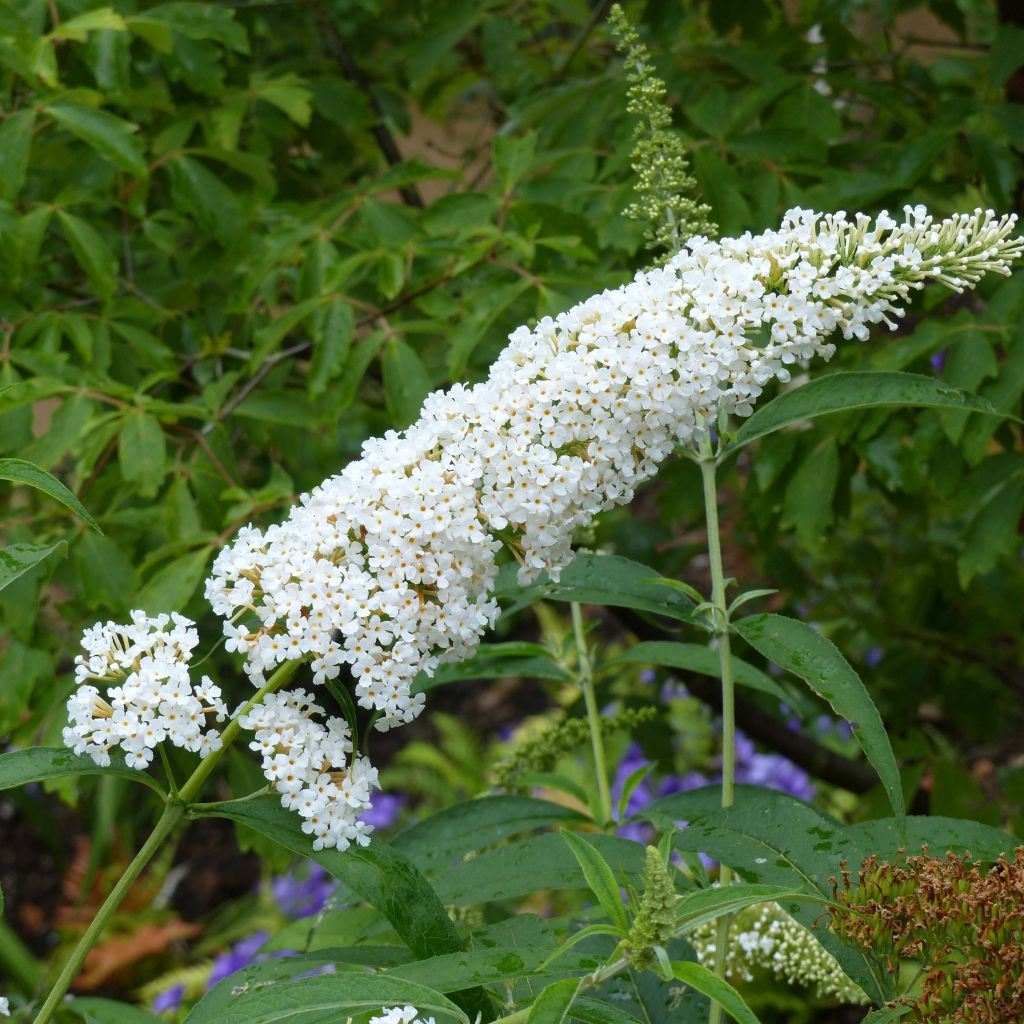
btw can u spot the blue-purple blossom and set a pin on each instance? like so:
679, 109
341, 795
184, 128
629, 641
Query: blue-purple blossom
243, 954
938, 360
302, 892
170, 999
873, 657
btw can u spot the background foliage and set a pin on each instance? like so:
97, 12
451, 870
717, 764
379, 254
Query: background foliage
237, 239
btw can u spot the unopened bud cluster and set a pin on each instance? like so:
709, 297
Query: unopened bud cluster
963, 923
764, 938
540, 753
387, 570
655, 920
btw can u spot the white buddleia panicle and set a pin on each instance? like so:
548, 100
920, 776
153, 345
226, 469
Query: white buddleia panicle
144, 694
764, 938
387, 569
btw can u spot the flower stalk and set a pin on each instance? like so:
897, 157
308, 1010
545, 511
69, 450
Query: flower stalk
585, 677
720, 628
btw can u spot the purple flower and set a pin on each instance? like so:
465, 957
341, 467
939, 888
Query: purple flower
673, 690
170, 999
384, 809
648, 675
300, 895
873, 656
242, 954
938, 360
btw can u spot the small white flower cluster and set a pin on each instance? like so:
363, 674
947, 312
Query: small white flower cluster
308, 764
401, 1015
5, 1007
766, 938
149, 696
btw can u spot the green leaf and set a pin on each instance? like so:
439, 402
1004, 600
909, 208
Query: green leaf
39, 764
697, 908
204, 21
600, 878
530, 865
552, 1005
501, 952
171, 588
21, 472
268, 337
105, 572
406, 381
843, 391
447, 836
513, 157
332, 341
597, 1011
77, 28
316, 1000
109, 135
96, 1010
697, 658
715, 988
142, 453
807, 506
799, 649
18, 559
597, 579
377, 873
196, 190
91, 252
15, 144
993, 532
495, 661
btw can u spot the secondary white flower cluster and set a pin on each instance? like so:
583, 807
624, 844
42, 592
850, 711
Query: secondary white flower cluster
765, 938
388, 567
308, 764
149, 697
401, 1015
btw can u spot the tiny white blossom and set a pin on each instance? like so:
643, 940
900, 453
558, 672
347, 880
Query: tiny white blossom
401, 1015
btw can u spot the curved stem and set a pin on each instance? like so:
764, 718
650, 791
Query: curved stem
171, 816
195, 782
708, 465
174, 811
585, 676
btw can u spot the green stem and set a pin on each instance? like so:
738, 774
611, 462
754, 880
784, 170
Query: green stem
195, 783
708, 465
585, 676
17, 961
173, 812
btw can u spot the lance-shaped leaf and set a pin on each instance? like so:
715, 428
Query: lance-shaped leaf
842, 392
553, 1004
697, 908
799, 649
17, 559
38, 764
325, 997
600, 878
21, 472
715, 988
